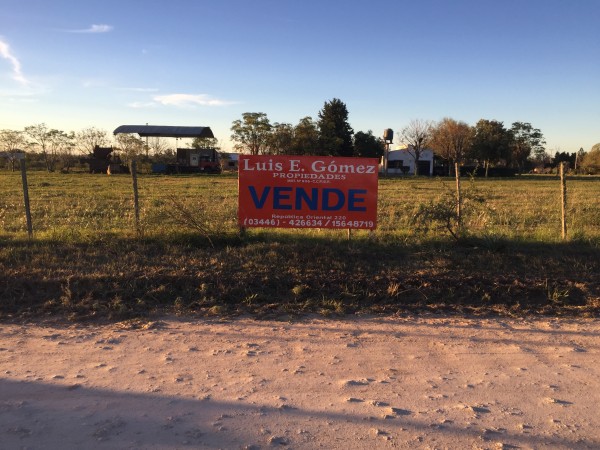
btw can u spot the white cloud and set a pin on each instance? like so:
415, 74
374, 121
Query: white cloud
183, 100
102, 28
17, 73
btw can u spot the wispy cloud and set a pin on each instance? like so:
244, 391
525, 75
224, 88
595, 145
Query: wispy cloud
101, 28
177, 100
186, 100
17, 73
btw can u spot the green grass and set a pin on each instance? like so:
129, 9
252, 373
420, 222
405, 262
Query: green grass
521, 208
83, 206
87, 261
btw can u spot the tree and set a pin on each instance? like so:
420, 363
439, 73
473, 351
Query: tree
11, 141
590, 163
205, 143
559, 157
524, 140
335, 133
542, 158
88, 139
579, 157
367, 145
490, 142
306, 137
539, 154
251, 134
417, 136
39, 135
60, 147
54, 145
451, 139
130, 146
160, 147
281, 139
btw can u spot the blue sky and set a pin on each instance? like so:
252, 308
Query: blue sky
77, 64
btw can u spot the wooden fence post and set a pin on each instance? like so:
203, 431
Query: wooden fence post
26, 197
136, 205
563, 199
458, 197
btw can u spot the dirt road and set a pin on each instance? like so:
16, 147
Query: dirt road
438, 382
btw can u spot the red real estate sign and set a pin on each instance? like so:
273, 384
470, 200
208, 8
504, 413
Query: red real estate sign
307, 192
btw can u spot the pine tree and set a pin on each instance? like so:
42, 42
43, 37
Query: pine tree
335, 133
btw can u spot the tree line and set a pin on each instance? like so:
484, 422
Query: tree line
487, 144
329, 135
57, 150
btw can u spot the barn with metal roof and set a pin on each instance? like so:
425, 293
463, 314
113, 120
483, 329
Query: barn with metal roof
165, 131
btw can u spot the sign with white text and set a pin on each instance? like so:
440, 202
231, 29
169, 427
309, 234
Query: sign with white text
307, 192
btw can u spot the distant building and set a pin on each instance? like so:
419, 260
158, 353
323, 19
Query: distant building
401, 162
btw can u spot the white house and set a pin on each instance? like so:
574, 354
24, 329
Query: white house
401, 162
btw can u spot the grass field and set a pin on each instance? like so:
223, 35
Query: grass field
87, 260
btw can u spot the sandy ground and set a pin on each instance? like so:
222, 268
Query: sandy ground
440, 382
